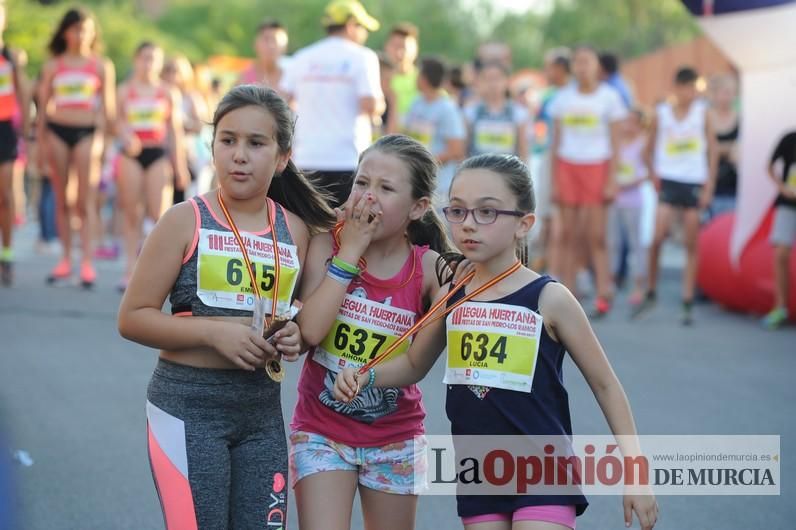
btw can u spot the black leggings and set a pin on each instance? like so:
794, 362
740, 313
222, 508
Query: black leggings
217, 447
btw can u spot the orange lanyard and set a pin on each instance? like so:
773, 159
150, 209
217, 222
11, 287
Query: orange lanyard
427, 319
249, 267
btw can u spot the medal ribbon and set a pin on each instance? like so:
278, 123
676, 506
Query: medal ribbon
427, 320
249, 267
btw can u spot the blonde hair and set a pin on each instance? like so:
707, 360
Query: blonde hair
185, 74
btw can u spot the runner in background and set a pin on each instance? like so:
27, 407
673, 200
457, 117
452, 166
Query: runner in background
77, 106
783, 233
624, 221
402, 48
197, 133
610, 71
14, 101
723, 92
495, 124
585, 151
148, 116
334, 88
545, 250
270, 45
435, 121
681, 158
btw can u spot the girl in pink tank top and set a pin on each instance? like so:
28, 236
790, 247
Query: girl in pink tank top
77, 106
153, 146
363, 286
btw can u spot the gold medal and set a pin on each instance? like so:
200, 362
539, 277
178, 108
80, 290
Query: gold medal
274, 370
273, 367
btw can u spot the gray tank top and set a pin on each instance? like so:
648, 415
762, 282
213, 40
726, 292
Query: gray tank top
213, 281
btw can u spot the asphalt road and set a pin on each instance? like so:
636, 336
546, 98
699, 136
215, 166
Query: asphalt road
72, 397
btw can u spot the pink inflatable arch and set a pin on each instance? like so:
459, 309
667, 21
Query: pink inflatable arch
750, 286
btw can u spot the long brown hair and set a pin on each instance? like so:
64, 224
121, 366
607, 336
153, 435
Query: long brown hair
57, 45
290, 188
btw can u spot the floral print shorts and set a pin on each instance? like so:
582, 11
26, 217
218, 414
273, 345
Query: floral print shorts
398, 468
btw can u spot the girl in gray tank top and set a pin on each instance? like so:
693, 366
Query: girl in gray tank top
216, 438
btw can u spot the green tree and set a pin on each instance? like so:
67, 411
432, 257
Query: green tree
627, 27
31, 26
449, 28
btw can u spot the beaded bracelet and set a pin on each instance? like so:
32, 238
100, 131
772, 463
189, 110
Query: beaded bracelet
371, 379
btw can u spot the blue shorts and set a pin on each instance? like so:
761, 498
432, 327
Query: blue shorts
398, 468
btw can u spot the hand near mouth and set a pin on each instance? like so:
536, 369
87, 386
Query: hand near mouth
361, 218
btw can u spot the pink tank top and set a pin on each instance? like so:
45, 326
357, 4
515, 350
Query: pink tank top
148, 115
77, 88
374, 313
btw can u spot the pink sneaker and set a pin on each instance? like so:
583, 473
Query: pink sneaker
635, 299
87, 274
107, 252
62, 271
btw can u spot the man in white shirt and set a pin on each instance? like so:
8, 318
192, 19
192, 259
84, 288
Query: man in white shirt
335, 89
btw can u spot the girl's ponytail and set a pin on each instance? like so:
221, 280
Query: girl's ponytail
292, 190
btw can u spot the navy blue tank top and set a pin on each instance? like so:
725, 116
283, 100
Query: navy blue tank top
496, 411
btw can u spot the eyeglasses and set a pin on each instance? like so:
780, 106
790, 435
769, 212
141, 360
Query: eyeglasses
482, 216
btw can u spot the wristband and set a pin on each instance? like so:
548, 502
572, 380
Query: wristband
344, 265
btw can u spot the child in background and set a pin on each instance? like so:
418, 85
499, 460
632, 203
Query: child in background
77, 106
14, 104
625, 217
435, 121
496, 124
783, 233
151, 133
681, 157
584, 149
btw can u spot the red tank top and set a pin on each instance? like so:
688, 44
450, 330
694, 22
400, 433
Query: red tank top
373, 314
8, 97
147, 115
76, 88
